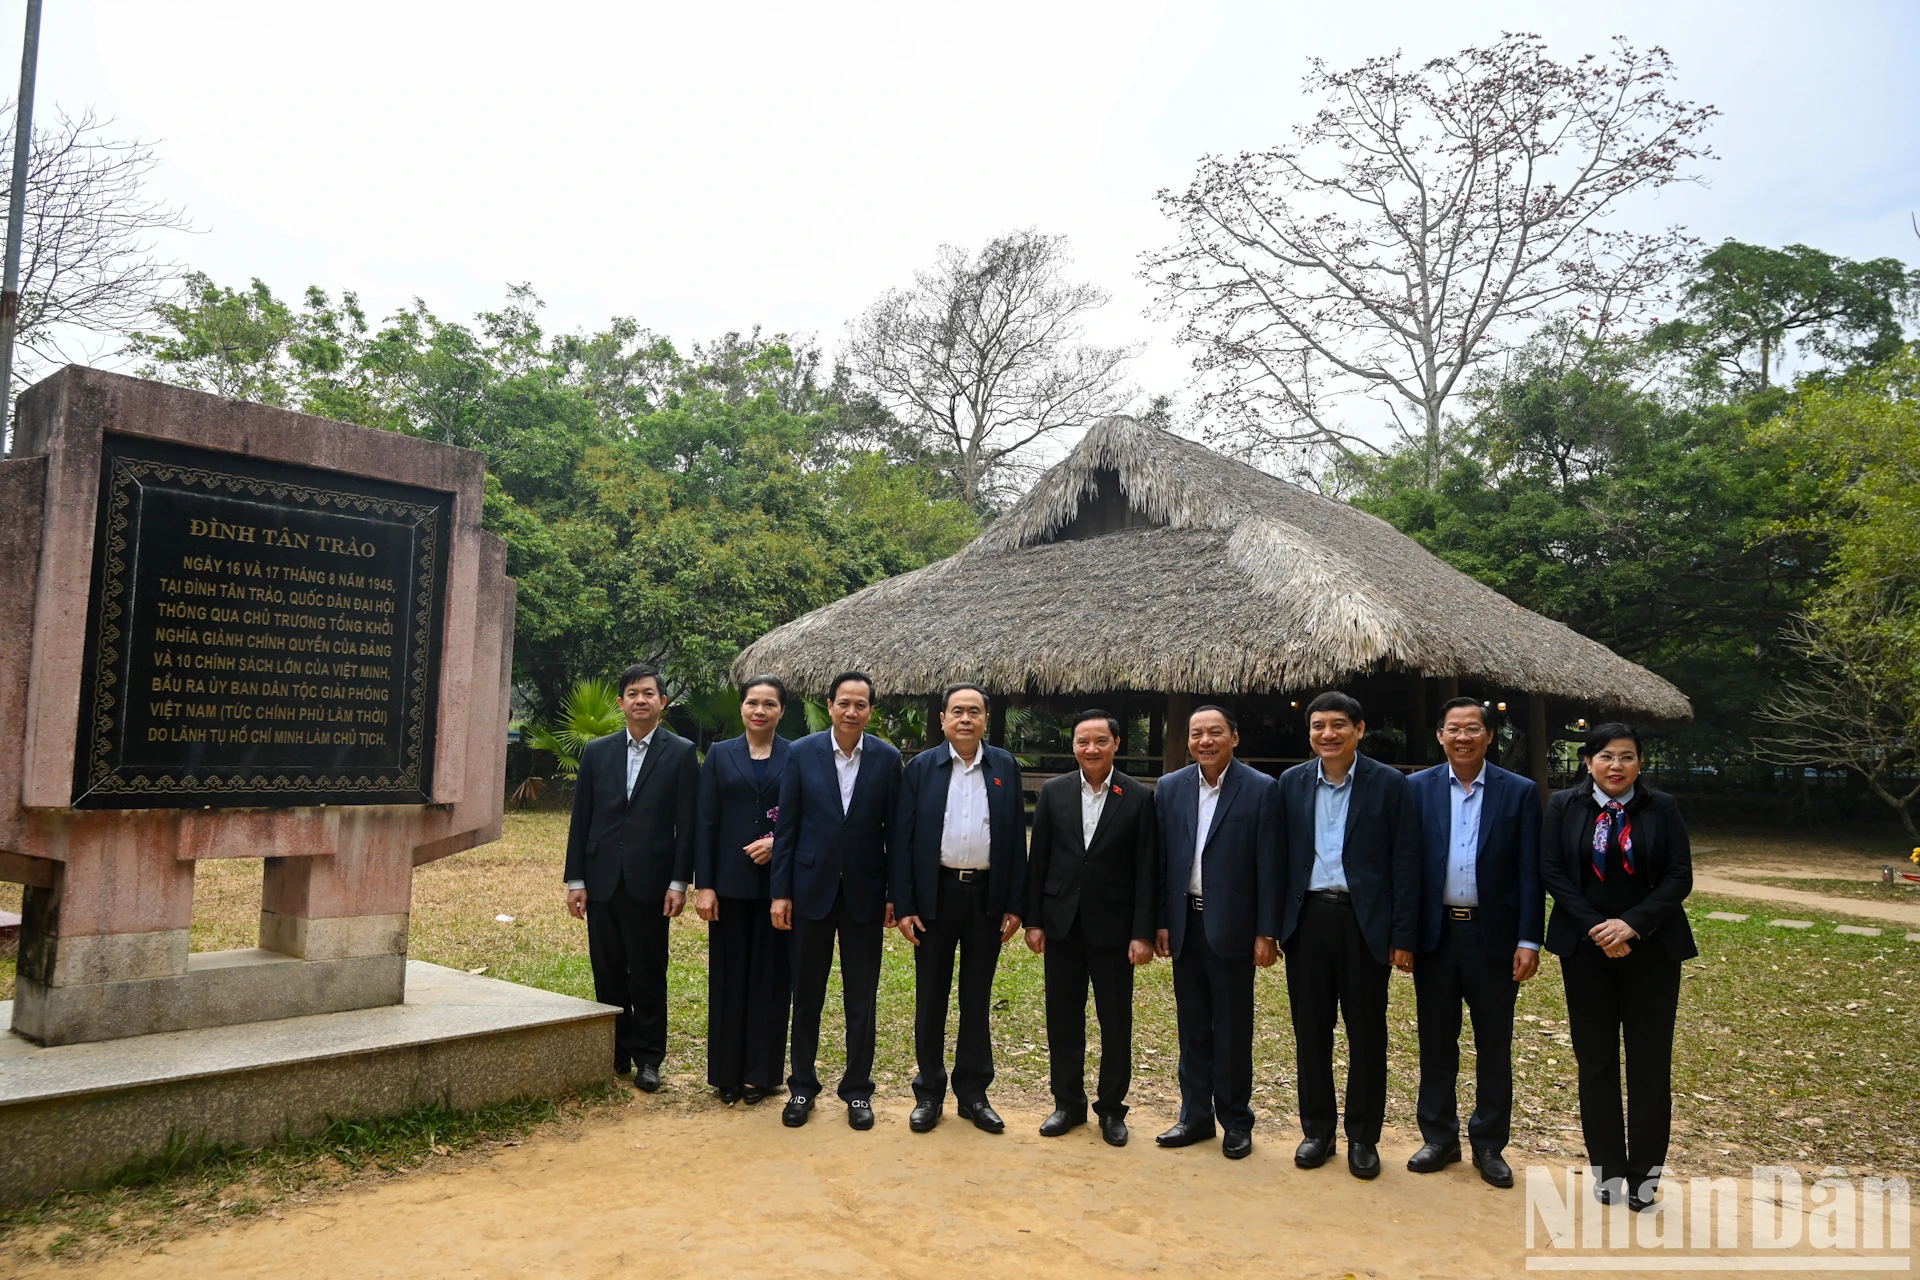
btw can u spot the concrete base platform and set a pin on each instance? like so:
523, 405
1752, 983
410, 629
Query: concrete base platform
74, 1115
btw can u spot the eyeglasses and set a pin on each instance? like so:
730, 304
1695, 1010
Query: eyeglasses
1468, 731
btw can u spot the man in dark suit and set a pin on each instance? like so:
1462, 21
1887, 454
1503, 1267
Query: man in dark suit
959, 867
1090, 913
829, 881
1219, 905
1482, 915
1351, 911
629, 857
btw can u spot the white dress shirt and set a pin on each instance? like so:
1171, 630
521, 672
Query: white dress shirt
966, 835
1093, 802
1209, 801
1462, 885
847, 765
1602, 799
636, 757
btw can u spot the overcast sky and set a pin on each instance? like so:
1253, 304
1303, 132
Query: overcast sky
702, 167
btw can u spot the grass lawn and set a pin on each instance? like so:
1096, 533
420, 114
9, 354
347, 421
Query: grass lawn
1795, 1046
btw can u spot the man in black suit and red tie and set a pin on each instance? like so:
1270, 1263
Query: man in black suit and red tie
629, 858
1090, 912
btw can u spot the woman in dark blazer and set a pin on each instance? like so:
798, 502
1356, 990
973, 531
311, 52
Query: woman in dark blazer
1615, 857
749, 976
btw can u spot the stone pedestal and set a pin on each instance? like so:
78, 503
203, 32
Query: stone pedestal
109, 898
75, 1115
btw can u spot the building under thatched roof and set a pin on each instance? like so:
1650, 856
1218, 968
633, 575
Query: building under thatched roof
1147, 562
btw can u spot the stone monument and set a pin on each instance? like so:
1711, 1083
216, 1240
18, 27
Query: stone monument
233, 631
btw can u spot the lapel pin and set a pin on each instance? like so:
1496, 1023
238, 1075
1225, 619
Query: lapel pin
1116, 789
996, 782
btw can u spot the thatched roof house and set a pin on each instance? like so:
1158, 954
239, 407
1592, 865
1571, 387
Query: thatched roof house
1147, 562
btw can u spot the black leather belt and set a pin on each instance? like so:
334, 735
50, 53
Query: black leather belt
1196, 903
1330, 895
965, 875
1462, 913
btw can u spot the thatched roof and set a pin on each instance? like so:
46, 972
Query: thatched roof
1297, 592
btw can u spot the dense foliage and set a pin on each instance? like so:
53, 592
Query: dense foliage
657, 506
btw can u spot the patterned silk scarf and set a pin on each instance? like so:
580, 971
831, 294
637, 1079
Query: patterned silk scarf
1603, 832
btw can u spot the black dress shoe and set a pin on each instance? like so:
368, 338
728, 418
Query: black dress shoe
1114, 1130
1062, 1122
925, 1116
1493, 1167
646, 1078
728, 1096
753, 1093
794, 1114
860, 1114
1185, 1135
1363, 1160
1609, 1190
1314, 1152
1237, 1145
981, 1112
1436, 1156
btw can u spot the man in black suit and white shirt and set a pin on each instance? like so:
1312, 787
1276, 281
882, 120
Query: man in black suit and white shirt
829, 883
1090, 912
629, 857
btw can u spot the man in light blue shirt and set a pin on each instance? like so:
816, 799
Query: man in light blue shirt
1330, 826
1482, 915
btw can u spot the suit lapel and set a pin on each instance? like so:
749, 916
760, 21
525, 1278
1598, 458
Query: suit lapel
1494, 782
1186, 818
1116, 794
1229, 791
1358, 779
775, 764
868, 758
646, 762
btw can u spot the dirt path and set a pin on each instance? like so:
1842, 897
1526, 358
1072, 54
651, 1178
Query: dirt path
658, 1192
1907, 913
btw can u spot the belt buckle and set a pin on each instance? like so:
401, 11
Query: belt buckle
1197, 901
1459, 913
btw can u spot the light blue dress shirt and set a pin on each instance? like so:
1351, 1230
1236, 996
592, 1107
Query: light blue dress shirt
1330, 828
1462, 887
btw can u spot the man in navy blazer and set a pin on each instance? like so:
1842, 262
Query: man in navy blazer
1220, 882
1350, 912
830, 846
1482, 916
959, 882
629, 857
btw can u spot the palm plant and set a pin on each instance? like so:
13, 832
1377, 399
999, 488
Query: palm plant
591, 711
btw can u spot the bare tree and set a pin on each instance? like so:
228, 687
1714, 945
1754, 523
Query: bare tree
87, 263
983, 356
1420, 215
1857, 708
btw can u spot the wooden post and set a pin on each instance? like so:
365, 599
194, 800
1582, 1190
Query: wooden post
1156, 713
1174, 752
933, 737
997, 719
1419, 735
1537, 742
1449, 689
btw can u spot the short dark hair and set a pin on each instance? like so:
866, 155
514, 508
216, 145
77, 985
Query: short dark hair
946, 694
774, 683
833, 689
1601, 734
1094, 713
1233, 722
642, 671
1344, 703
1452, 704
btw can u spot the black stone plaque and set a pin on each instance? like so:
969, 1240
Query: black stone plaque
258, 634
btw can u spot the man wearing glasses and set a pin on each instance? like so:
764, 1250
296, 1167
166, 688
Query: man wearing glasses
959, 871
1482, 915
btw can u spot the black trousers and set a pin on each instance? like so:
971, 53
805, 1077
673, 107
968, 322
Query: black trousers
1332, 975
1461, 969
749, 990
860, 945
1635, 999
1070, 962
962, 922
627, 947
1213, 1009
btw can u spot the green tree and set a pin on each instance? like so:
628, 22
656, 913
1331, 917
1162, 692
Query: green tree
1746, 303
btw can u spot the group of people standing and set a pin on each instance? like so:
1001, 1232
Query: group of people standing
1343, 865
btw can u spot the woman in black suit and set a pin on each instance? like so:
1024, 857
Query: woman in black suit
749, 982
1615, 857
